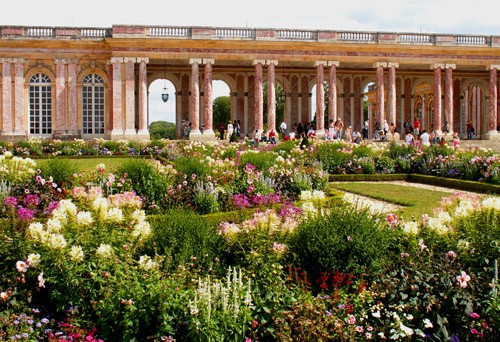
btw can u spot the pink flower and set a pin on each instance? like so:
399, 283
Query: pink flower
473, 331
474, 315
352, 319
422, 244
41, 281
392, 219
463, 279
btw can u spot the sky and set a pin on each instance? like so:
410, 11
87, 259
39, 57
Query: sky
416, 16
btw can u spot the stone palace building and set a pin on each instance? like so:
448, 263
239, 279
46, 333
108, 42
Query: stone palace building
71, 82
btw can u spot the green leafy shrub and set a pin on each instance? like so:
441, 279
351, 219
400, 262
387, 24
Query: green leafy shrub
61, 170
192, 166
384, 164
147, 179
183, 236
344, 238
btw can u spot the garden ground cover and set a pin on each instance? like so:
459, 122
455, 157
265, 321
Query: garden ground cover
415, 201
237, 243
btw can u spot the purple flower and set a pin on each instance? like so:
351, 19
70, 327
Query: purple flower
31, 200
53, 206
25, 214
10, 201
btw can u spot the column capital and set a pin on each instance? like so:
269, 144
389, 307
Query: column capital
143, 59
392, 64
129, 59
258, 61
6, 60
437, 65
493, 66
195, 60
332, 63
116, 60
271, 61
208, 61
316, 63
450, 66
380, 64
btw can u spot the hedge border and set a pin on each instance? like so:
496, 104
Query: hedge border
458, 184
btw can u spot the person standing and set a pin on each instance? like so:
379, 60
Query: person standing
416, 128
365, 129
470, 130
230, 130
283, 127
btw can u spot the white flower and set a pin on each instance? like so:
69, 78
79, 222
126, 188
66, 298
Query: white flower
21, 266
142, 230
376, 314
105, 251
100, 204
84, 218
410, 227
407, 330
35, 230
139, 215
76, 253
56, 241
427, 323
54, 225
33, 259
491, 203
148, 264
114, 215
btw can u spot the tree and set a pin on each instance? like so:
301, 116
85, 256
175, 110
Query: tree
162, 130
221, 111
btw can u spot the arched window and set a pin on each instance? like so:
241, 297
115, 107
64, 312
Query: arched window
93, 105
40, 99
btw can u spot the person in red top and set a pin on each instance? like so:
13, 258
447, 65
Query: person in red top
416, 128
272, 136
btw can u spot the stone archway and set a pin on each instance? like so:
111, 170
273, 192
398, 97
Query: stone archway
473, 106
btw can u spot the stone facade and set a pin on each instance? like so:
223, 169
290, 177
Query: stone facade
47, 91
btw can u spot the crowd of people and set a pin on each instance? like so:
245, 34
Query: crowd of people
336, 130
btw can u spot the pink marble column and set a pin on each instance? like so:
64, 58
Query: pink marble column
332, 95
493, 107
380, 111
259, 101
437, 123
392, 92
208, 114
20, 123
60, 110
130, 95
194, 116
448, 96
320, 97
117, 110
7, 126
271, 96
143, 96
72, 116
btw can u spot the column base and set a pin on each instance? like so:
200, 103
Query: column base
207, 135
14, 136
143, 135
492, 135
67, 134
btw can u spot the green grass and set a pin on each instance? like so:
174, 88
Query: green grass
415, 201
85, 165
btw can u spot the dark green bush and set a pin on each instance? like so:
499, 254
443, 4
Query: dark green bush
185, 237
346, 239
147, 180
190, 166
61, 171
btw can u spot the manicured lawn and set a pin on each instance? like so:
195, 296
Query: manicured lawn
416, 201
85, 165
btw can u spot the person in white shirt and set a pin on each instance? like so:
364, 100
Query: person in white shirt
425, 138
283, 127
230, 130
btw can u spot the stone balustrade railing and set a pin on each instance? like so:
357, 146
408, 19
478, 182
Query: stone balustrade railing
178, 32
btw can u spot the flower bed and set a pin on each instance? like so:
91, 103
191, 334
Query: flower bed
227, 242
